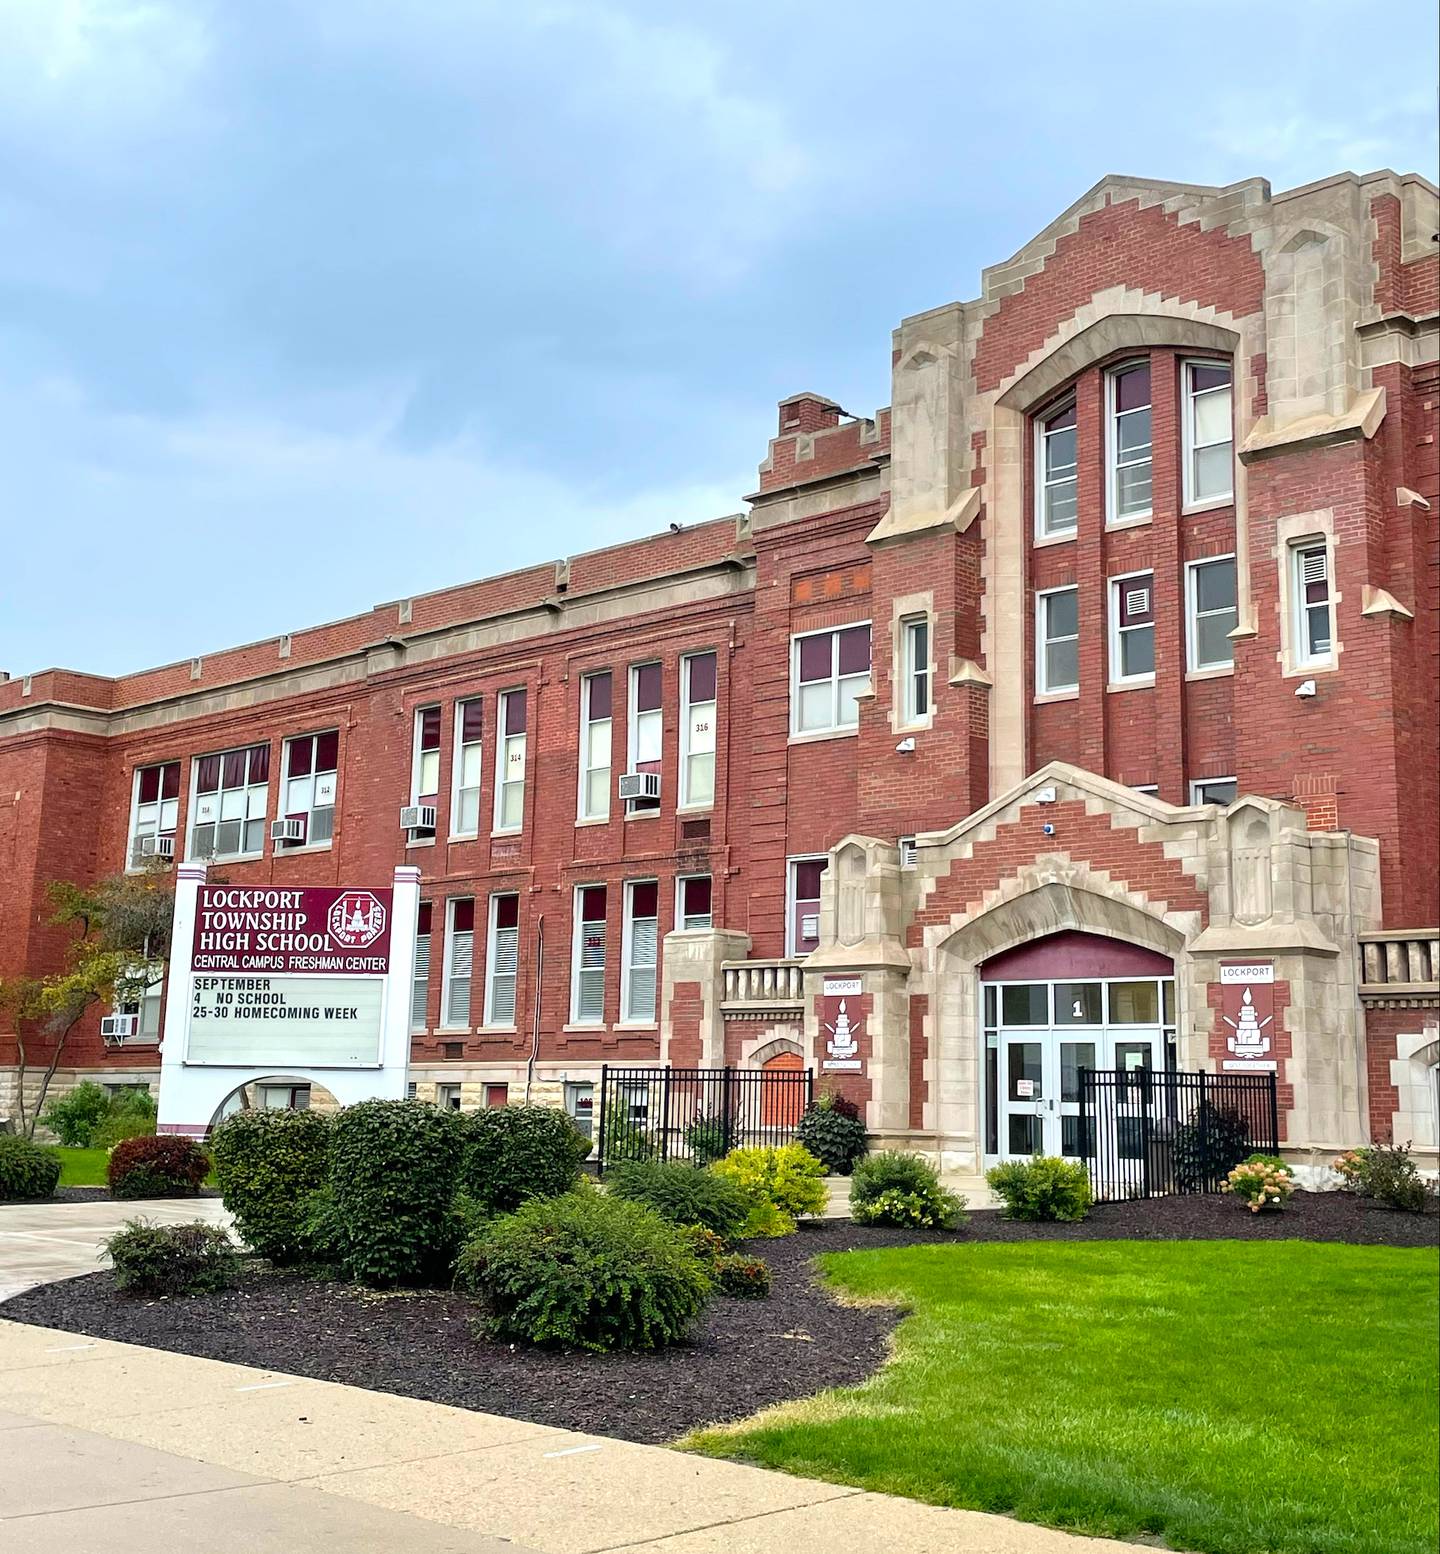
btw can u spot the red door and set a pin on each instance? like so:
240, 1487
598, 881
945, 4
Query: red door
782, 1101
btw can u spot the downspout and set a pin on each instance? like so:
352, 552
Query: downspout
535, 1023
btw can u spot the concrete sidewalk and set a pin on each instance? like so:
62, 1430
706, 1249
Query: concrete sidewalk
41, 1242
107, 1445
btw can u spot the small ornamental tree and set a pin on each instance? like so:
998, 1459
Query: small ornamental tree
120, 937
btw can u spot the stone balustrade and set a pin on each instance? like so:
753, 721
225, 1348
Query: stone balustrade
754, 985
1400, 963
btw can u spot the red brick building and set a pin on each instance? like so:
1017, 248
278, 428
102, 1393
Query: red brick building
992, 732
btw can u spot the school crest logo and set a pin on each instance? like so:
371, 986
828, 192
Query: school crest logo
357, 919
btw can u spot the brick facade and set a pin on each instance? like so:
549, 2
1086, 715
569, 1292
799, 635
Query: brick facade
1322, 304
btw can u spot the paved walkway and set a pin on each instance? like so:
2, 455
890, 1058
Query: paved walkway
118, 1448
41, 1242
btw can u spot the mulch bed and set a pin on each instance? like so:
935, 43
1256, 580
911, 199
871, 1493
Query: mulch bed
746, 1355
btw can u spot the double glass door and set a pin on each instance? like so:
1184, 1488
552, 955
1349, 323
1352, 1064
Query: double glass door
1043, 1034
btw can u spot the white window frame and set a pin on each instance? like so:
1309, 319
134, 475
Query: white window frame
417, 766
629, 1015
1189, 446
587, 724
448, 1095
1114, 518
682, 921
1042, 595
1150, 789
493, 974
792, 900
133, 832
283, 808
1118, 632
248, 789
576, 942
448, 973
632, 733
420, 984
1193, 613
834, 728
1042, 529
458, 785
687, 708
504, 744
1304, 655
1199, 784
917, 671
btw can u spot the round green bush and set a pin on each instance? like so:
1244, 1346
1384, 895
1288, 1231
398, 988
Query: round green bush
682, 1194
832, 1136
28, 1171
895, 1187
780, 1184
742, 1277
1043, 1188
585, 1271
515, 1153
393, 1172
74, 1116
268, 1163
167, 1165
132, 1115
157, 1260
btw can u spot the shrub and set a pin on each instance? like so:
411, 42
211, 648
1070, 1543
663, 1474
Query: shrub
780, 1184
1263, 1183
833, 1137
131, 1116
268, 1163
708, 1140
682, 1194
164, 1166
393, 1172
74, 1116
171, 1259
626, 1137
740, 1276
706, 1245
898, 1188
1206, 1147
1044, 1188
323, 1241
513, 1153
1387, 1173
585, 1271
28, 1171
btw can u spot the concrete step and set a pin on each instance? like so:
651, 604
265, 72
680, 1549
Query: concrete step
972, 1189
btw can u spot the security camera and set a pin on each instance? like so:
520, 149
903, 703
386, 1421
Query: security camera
1305, 688
1048, 829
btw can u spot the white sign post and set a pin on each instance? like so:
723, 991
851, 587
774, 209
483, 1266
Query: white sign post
268, 982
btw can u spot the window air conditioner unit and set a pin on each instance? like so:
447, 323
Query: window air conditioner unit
640, 785
117, 1027
417, 817
287, 830
156, 847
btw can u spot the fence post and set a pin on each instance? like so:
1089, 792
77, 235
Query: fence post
665, 1114
600, 1142
1274, 1091
726, 1109
1202, 1112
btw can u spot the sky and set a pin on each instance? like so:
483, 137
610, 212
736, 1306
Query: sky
310, 304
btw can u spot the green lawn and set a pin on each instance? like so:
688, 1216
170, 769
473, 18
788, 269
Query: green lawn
1230, 1397
82, 1167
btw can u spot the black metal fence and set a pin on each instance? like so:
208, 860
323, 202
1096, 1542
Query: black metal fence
697, 1114
1145, 1133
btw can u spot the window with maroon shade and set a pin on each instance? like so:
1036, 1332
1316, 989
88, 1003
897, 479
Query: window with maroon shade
459, 961
697, 730
805, 903
588, 991
512, 716
1132, 628
829, 671
595, 702
503, 960
642, 949
227, 811
695, 894
311, 776
420, 984
1128, 445
154, 811
647, 728
465, 801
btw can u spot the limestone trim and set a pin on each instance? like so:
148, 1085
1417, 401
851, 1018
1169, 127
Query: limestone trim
1361, 420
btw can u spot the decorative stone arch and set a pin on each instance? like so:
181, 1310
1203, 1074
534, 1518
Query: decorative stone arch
778, 1046
327, 1098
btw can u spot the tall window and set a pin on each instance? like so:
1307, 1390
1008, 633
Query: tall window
641, 949
646, 729
1310, 589
459, 961
1132, 627
465, 805
587, 995
829, 670
510, 762
1129, 477
503, 960
1208, 433
1212, 612
1057, 652
141, 1001
425, 765
595, 704
420, 984
311, 761
804, 892
915, 647
1056, 485
228, 811
154, 812
693, 901
697, 730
